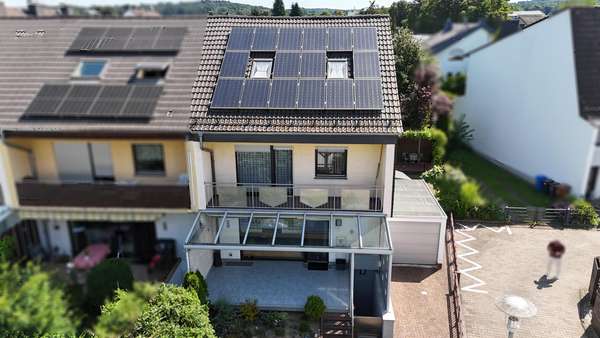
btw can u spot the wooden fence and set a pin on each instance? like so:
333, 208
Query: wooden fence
457, 325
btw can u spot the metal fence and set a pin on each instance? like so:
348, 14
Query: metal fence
457, 325
538, 215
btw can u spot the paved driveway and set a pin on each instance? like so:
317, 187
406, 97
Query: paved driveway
499, 260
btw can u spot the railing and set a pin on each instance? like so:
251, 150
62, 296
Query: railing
537, 215
301, 197
457, 326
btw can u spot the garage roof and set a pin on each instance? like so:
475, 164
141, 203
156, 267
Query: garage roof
414, 199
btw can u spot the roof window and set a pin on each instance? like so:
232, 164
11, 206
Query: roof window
90, 69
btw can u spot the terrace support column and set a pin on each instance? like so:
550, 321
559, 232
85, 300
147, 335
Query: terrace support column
196, 171
7, 181
388, 178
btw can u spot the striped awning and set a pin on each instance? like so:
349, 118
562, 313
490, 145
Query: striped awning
95, 214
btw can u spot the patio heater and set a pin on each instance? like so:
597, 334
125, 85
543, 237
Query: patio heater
516, 308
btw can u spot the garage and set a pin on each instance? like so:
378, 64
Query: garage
417, 225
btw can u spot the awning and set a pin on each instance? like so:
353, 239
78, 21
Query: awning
8, 218
279, 230
95, 214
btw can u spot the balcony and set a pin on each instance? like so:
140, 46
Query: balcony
296, 197
103, 195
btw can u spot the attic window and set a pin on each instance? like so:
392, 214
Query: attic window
261, 68
337, 69
90, 69
151, 71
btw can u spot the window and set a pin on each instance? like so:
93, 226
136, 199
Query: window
331, 162
151, 71
149, 159
90, 69
261, 69
337, 69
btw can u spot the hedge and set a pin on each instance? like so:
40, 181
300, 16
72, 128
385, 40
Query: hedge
437, 138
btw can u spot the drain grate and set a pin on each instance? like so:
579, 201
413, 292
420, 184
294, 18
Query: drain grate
238, 263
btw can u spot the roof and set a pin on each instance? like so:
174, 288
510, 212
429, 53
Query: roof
35, 55
387, 121
586, 45
527, 17
452, 33
414, 199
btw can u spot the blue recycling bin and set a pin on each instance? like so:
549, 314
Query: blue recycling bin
539, 182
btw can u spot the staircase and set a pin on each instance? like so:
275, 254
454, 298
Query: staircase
336, 325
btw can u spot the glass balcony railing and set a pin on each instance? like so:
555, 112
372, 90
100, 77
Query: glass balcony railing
297, 197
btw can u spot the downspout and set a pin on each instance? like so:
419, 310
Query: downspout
212, 158
377, 177
30, 156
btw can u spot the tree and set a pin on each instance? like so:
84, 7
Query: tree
578, 3
31, 304
174, 312
103, 281
195, 282
296, 10
493, 12
278, 8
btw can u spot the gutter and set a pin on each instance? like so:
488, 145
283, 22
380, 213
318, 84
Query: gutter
30, 156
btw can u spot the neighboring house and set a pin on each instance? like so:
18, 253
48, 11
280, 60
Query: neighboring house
533, 101
94, 115
295, 122
526, 18
455, 39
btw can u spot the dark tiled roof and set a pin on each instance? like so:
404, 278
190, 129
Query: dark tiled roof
348, 122
448, 36
29, 61
586, 44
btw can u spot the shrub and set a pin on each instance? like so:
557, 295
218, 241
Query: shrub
118, 317
304, 327
314, 308
455, 83
249, 310
174, 312
196, 282
274, 320
104, 279
31, 304
583, 213
437, 137
224, 318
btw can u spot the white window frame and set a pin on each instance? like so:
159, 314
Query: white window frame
337, 61
255, 62
77, 72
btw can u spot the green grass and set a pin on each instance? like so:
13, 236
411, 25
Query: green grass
497, 184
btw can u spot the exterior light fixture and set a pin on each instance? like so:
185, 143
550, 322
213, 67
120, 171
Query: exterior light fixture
515, 307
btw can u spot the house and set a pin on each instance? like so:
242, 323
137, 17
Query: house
94, 117
532, 100
457, 38
294, 125
526, 18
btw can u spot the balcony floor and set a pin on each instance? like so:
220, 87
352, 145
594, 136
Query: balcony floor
278, 285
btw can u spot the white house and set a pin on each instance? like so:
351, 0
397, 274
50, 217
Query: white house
532, 99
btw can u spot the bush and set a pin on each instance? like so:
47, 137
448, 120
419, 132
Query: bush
196, 282
304, 327
583, 213
249, 310
224, 318
274, 320
314, 308
455, 83
104, 279
31, 304
174, 312
118, 317
435, 136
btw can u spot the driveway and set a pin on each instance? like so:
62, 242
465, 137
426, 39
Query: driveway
502, 260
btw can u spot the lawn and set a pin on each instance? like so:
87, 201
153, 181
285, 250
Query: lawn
497, 184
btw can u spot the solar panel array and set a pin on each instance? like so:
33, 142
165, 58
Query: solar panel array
94, 101
92, 40
299, 77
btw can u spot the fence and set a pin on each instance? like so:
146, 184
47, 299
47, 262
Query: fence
594, 291
457, 327
538, 215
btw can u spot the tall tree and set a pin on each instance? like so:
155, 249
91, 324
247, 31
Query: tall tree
296, 10
278, 8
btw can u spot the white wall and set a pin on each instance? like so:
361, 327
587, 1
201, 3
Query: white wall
521, 100
472, 41
177, 227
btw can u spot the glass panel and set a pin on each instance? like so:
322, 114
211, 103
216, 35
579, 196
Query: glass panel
337, 69
289, 230
234, 229
316, 232
345, 231
207, 229
91, 68
149, 159
261, 229
283, 166
261, 69
374, 234
254, 167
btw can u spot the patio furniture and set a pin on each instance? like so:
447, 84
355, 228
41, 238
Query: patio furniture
91, 256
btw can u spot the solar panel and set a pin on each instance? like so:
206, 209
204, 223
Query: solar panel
139, 108
290, 39
53, 91
128, 39
365, 38
283, 94
339, 94
311, 94
234, 64
115, 38
314, 39
145, 92
340, 39
313, 64
240, 38
255, 94
368, 94
286, 65
264, 39
227, 93
110, 101
366, 64
74, 107
170, 38
47, 101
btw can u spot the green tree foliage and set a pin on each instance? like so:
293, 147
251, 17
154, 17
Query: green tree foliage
206, 7
196, 282
437, 138
584, 213
296, 10
314, 308
30, 304
249, 310
174, 312
104, 279
278, 8
578, 3
7, 249
460, 134
119, 316
455, 83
